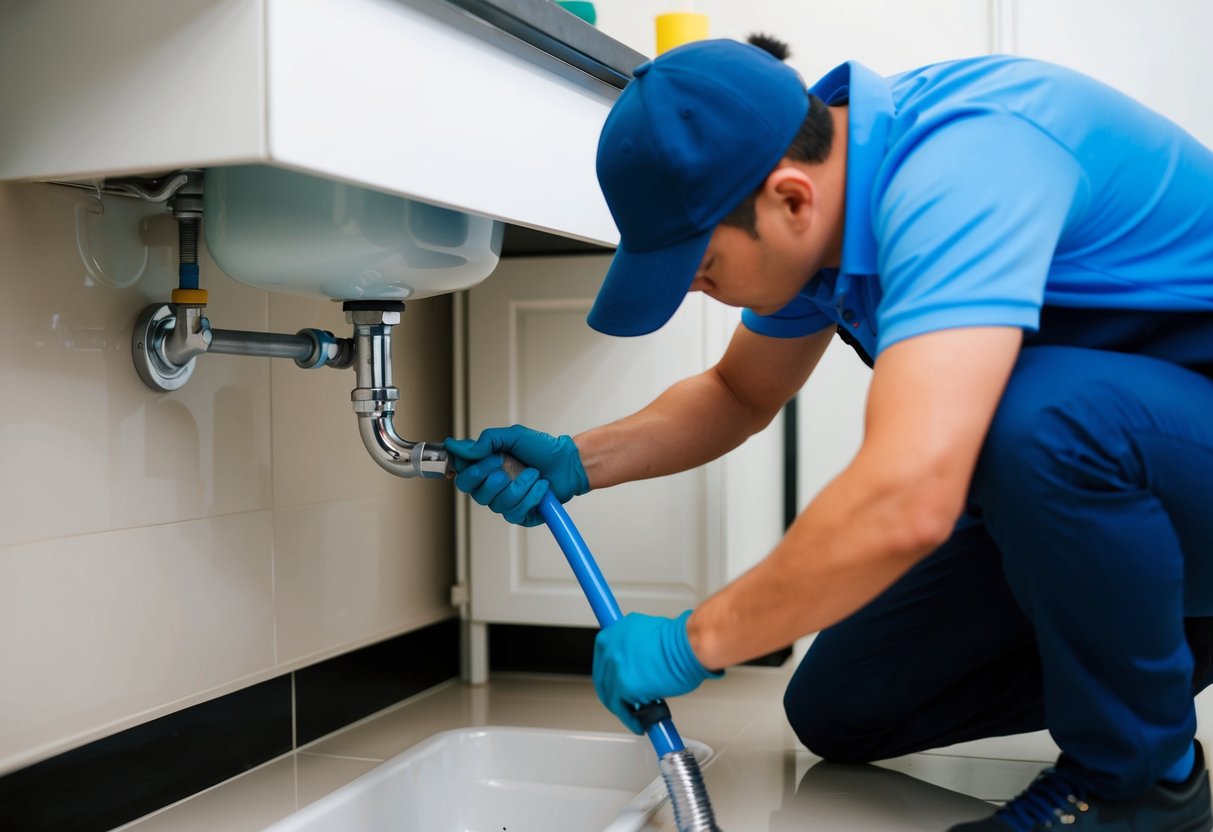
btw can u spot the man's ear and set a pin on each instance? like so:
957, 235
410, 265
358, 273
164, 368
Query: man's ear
792, 192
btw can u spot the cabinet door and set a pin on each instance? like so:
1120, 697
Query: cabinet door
533, 360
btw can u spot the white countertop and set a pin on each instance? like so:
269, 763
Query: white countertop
416, 98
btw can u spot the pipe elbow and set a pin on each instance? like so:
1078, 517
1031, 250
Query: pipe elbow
398, 456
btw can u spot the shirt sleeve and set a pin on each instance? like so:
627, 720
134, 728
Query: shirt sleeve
968, 225
800, 317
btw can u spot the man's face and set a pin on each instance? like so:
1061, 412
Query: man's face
762, 274
795, 238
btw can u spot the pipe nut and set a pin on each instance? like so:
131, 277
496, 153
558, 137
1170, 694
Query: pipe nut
187, 206
372, 317
327, 350
374, 394
371, 400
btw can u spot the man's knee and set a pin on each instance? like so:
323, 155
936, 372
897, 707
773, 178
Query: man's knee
822, 732
825, 721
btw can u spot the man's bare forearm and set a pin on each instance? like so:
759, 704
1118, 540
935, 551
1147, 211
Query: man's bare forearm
931, 402
859, 535
691, 423
705, 416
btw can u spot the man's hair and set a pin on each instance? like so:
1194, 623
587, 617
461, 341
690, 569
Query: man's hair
770, 44
811, 145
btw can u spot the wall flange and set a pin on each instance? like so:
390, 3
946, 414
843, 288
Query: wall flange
147, 343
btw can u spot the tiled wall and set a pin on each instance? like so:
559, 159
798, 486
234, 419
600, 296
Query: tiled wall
157, 550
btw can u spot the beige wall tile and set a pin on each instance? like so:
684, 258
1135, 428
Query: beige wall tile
204, 449
359, 554
348, 573
77, 426
58, 349
99, 630
317, 451
318, 454
137, 542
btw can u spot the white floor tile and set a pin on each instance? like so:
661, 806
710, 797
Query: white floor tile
983, 778
254, 800
760, 778
1035, 747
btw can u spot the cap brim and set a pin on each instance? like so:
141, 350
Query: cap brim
643, 290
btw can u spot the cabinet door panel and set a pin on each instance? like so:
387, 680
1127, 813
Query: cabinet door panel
534, 361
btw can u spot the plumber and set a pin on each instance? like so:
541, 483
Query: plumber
1025, 538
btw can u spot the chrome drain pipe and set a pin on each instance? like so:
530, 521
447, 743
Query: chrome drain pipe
307, 348
375, 397
168, 337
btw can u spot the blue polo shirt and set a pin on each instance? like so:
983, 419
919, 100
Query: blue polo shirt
980, 190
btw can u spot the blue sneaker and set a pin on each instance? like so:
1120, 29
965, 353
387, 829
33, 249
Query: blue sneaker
1055, 801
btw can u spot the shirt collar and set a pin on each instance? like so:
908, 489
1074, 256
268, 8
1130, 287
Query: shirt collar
870, 114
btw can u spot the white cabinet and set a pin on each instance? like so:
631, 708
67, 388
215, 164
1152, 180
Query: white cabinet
663, 544
411, 97
830, 417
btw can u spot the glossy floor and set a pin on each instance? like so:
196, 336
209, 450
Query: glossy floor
760, 779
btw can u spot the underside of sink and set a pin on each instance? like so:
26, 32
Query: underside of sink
283, 231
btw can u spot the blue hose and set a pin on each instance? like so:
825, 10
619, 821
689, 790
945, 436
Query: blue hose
679, 768
661, 733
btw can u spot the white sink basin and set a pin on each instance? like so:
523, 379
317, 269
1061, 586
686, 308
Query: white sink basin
283, 231
492, 779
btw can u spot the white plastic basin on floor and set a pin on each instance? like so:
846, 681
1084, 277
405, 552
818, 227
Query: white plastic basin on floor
500, 780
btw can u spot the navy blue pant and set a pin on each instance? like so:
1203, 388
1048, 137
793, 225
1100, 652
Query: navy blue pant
1072, 594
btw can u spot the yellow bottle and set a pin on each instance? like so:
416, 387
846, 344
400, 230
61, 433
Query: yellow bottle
676, 28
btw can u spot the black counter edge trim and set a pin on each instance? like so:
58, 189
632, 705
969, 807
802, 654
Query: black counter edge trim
559, 33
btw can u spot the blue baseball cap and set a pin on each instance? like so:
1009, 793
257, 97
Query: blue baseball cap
694, 133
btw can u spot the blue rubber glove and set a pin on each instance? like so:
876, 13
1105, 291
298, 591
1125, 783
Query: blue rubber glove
553, 462
642, 658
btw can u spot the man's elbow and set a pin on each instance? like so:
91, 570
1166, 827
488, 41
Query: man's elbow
927, 518
760, 418
930, 528
755, 415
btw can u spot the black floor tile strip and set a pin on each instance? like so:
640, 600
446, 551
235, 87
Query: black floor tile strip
344, 689
127, 775
122, 777
526, 648
529, 648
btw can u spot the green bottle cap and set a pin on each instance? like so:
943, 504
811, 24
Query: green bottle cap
581, 8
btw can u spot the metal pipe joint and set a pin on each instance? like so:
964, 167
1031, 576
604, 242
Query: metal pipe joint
374, 398
169, 336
